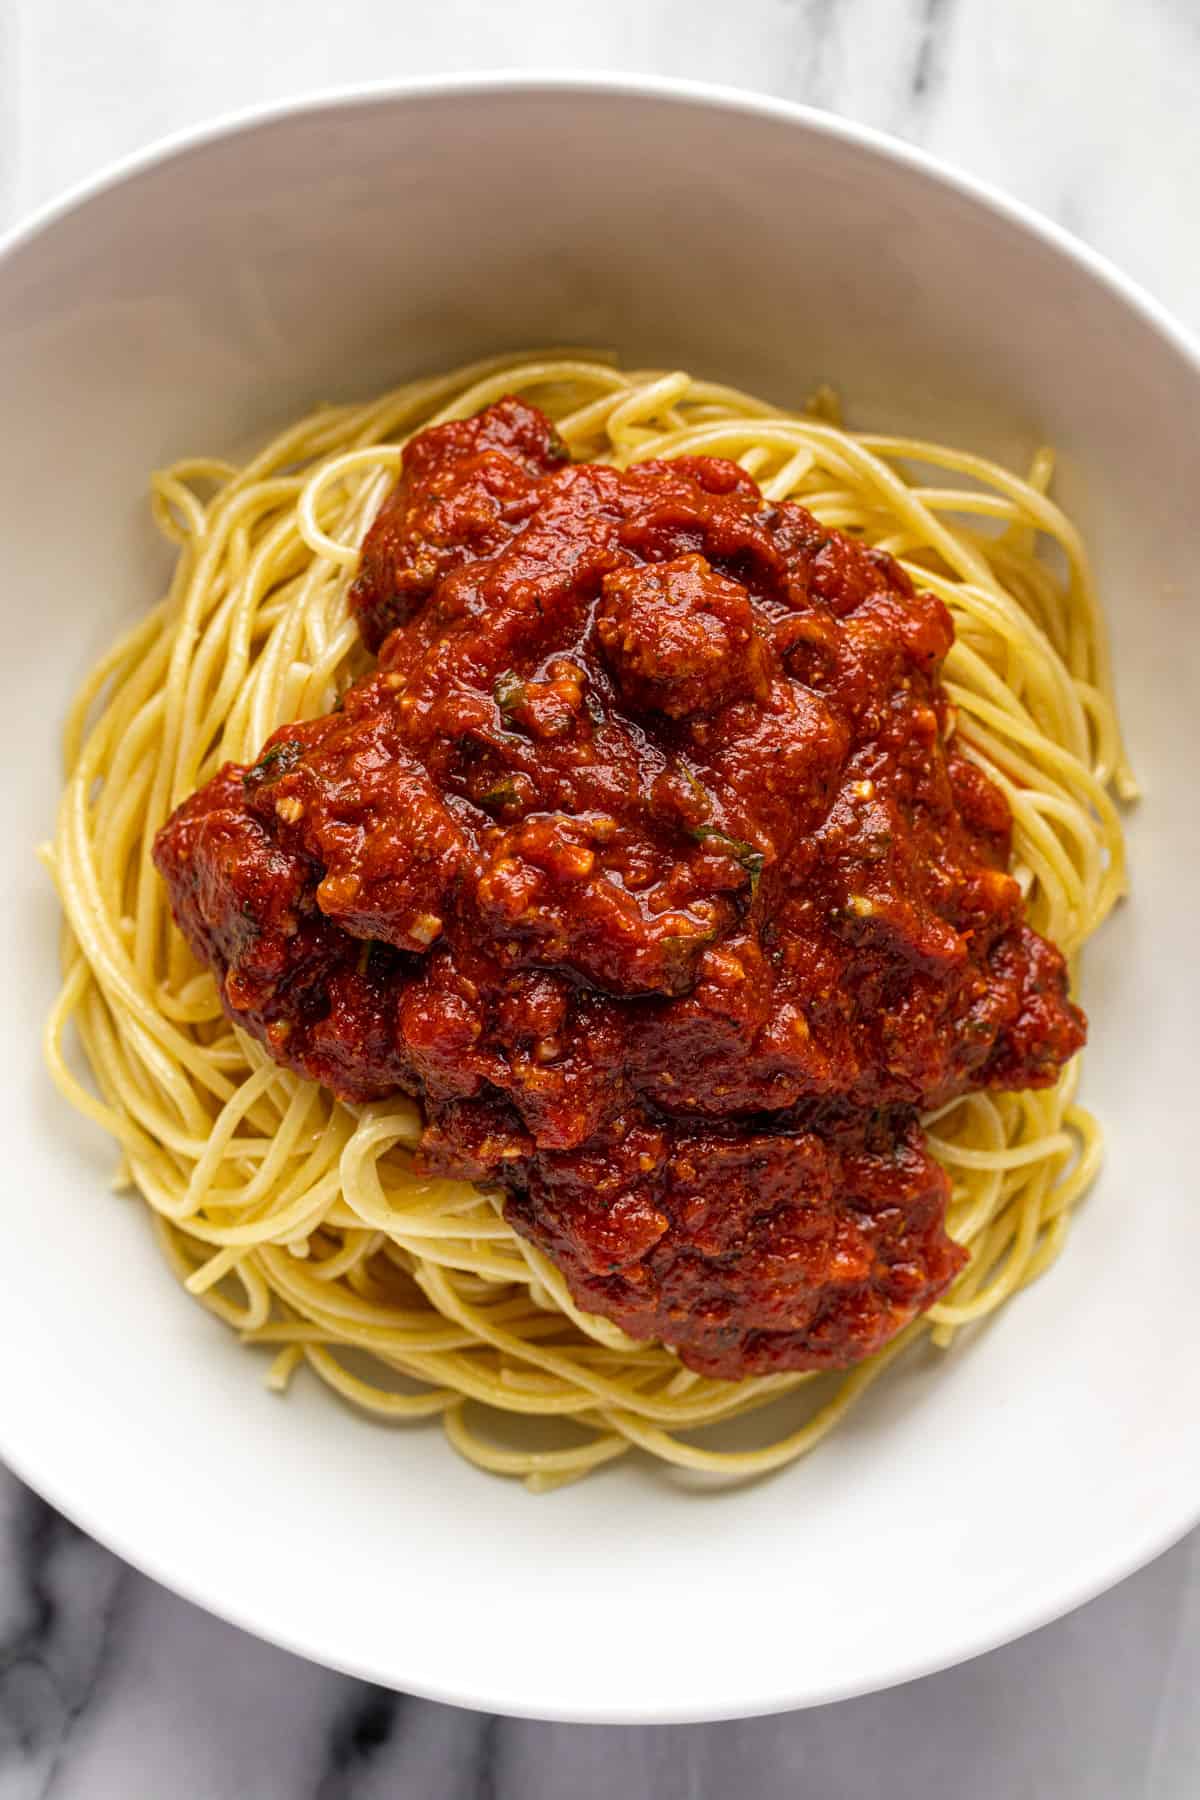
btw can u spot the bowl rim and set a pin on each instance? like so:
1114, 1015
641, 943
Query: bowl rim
1180, 1511
679, 90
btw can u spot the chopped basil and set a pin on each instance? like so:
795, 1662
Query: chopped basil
556, 450
678, 947
502, 793
276, 761
746, 854
375, 958
508, 693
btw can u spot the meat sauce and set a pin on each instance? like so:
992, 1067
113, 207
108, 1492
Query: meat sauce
646, 860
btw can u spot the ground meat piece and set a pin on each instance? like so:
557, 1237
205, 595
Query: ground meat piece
361, 809
465, 487
753, 1253
680, 638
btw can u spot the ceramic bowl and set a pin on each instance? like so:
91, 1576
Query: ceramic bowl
205, 293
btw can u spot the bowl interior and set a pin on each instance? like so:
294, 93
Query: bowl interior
205, 299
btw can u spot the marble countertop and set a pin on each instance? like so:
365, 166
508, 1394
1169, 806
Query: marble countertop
113, 1689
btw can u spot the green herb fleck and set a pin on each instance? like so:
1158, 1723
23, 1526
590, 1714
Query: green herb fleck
375, 958
502, 793
556, 450
275, 762
679, 947
750, 858
508, 693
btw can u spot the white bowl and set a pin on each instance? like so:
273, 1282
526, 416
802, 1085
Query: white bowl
206, 292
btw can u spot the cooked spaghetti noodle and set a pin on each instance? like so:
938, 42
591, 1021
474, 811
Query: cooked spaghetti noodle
296, 1218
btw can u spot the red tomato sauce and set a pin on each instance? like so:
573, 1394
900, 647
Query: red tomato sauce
643, 860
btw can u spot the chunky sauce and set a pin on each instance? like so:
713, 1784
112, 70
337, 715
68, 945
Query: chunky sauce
644, 861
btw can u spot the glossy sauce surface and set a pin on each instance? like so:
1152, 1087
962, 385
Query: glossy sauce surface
642, 859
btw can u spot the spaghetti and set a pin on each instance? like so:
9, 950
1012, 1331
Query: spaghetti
296, 1218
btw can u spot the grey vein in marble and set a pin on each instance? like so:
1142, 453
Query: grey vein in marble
929, 68
59, 1597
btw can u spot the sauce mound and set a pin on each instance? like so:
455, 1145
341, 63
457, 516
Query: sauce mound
644, 860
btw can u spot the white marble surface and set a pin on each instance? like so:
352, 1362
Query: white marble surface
112, 1689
